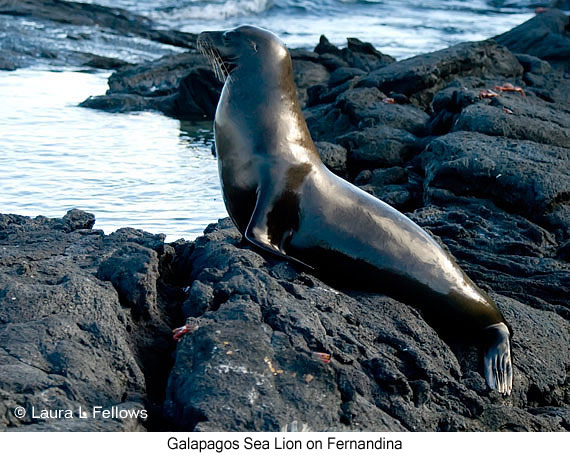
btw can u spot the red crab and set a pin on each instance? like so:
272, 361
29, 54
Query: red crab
508, 87
177, 333
488, 93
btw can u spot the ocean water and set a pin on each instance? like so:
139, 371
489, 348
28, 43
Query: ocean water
142, 170
150, 172
401, 28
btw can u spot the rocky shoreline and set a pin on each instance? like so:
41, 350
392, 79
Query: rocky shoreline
66, 33
472, 142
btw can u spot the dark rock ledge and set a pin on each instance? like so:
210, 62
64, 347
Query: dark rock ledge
86, 318
83, 321
77, 13
67, 33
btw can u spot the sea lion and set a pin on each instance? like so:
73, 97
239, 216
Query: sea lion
285, 201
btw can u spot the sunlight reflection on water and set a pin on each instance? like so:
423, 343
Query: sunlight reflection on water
142, 170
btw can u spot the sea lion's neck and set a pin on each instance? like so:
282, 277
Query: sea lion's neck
263, 101
262, 84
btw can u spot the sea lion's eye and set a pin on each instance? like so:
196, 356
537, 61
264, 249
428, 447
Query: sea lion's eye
253, 45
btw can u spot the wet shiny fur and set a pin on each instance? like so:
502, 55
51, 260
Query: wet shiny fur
284, 200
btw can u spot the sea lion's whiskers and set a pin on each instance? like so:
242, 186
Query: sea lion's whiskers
221, 66
213, 62
207, 49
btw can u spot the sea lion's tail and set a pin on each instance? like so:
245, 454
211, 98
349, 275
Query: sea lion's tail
497, 363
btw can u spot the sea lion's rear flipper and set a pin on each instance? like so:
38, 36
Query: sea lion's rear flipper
257, 231
497, 362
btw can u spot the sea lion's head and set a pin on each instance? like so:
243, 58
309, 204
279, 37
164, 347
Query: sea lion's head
243, 46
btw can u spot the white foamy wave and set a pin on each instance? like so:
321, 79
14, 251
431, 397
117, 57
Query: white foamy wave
212, 10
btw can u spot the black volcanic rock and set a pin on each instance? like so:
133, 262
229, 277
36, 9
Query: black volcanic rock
70, 340
90, 14
504, 252
307, 73
366, 108
378, 147
546, 36
334, 156
523, 177
259, 324
184, 85
513, 117
421, 76
532, 64
71, 34
250, 365
364, 56
326, 47
180, 85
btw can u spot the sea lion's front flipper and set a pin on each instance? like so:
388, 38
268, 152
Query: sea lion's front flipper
497, 359
257, 231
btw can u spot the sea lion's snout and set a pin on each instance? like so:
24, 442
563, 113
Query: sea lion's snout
206, 40
224, 42
220, 54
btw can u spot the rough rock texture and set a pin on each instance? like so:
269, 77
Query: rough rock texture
546, 36
348, 81
521, 176
71, 340
421, 76
250, 365
77, 13
333, 155
64, 33
181, 85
